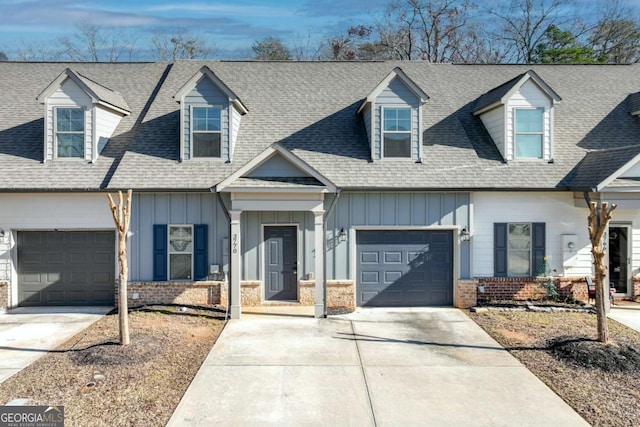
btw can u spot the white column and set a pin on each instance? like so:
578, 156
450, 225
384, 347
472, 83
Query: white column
318, 239
236, 266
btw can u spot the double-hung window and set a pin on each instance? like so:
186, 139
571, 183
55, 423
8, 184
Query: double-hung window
528, 133
206, 131
180, 252
69, 132
519, 248
396, 132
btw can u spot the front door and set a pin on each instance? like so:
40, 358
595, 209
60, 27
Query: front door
619, 257
281, 263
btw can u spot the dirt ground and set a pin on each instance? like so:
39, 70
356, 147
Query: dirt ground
601, 382
101, 383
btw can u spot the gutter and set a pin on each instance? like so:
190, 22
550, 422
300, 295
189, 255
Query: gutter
326, 215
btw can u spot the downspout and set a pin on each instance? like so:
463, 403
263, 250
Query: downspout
226, 214
327, 213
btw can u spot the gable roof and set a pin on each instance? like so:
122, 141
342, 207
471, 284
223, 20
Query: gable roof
599, 169
206, 72
502, 93
99, 94
313, 181
310, 109
400, 75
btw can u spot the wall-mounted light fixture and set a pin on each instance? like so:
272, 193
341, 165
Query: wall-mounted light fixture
465, 235
571, 245
342, 235
1, 233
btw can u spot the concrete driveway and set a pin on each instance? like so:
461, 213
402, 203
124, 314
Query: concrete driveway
431, 366
28, 333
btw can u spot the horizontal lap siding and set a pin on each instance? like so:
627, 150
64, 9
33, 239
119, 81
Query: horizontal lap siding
206, 94
494, 123
69, 95
529, 96
393, 210
556, 210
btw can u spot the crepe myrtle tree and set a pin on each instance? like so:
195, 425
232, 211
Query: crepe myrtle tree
598, 220
122, 218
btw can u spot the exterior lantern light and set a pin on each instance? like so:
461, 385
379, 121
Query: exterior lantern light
342, 236
464, 235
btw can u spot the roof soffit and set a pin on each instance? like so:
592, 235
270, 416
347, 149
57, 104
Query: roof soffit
205, 72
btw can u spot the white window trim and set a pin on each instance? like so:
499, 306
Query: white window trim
170, 252
191, 131
516, 133
529, 274
55, 133
382, 131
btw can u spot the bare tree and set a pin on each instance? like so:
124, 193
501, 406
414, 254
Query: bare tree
305, 49
181, 44
598, 220
121, 217
94, 43
271, 49
525, 22
431, 30
616, 37
3, 57
30, 51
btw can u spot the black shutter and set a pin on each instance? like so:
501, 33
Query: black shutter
200, 252
160, 252
500, 249
538, 237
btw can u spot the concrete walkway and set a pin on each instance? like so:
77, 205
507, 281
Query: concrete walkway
375, 367
28, 333
628, 314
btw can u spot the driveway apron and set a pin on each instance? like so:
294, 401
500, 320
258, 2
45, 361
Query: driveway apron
28, 333
385, 367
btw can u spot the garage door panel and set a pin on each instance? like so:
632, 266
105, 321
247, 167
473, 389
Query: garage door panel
74, 268
415, 269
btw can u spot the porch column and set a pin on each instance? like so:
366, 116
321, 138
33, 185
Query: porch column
319, 238
235, 259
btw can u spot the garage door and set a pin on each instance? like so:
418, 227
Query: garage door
404, 268
66, 268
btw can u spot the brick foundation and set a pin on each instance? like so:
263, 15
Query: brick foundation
4, 295
341, 293
529, 288
187, 293
466, 294
635, 296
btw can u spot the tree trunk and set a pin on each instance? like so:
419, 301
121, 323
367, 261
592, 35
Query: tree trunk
121, 217
598, 224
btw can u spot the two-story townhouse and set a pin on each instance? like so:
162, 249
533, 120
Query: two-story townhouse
314, 183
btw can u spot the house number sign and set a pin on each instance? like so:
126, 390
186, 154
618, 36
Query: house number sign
234, 244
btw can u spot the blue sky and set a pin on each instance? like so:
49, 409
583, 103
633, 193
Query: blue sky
232, 25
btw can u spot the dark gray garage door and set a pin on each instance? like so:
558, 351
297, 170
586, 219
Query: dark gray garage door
404, 268
66, 268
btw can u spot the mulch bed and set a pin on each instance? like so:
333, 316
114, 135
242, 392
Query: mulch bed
601, 382
101, 383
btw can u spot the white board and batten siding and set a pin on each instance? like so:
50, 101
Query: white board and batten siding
556, 210
206, 94
529, 96
397, 95
69, 95
493, 121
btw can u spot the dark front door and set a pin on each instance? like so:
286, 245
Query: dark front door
404, 267
619, 258
281, 263
66, 268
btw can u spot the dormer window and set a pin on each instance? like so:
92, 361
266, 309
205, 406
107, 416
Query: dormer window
69, 132
396, 132
206, 131
529, 128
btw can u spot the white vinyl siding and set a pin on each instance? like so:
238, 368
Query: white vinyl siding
69, 95
236, 117
493, 121
557, 210
529, 96
105, 125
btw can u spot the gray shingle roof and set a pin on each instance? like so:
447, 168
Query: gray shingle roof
597, 166
105, 94
634, 101
310, 108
